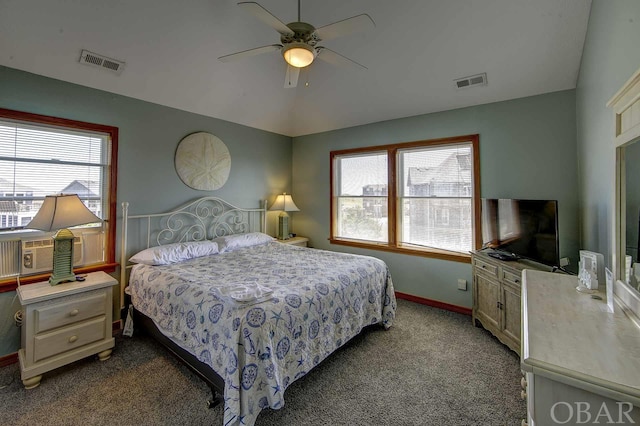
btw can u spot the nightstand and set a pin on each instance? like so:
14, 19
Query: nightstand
296, 241
64, 323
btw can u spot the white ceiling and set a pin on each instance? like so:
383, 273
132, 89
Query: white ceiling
414, 53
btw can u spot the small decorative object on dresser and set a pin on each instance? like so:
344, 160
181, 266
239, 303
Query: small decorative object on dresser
65, 323
590, 271
296, 241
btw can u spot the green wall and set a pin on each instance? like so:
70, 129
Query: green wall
527, 150
9, 333
148, 137
610, 57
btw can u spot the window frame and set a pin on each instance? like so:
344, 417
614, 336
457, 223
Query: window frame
109, 264
394, 199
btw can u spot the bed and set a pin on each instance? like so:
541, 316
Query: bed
250, 315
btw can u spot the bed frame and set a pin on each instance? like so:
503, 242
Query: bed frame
202, 219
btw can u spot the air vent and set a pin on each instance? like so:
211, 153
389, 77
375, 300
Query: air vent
99, 61
474, 80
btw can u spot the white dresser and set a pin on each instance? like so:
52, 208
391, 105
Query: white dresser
64, 323
581, 362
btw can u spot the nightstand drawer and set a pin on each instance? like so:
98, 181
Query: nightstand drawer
68, 338
70, 310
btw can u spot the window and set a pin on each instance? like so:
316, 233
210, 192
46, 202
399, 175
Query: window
41, 155
419, 197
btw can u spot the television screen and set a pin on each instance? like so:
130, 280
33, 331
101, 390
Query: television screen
525, 228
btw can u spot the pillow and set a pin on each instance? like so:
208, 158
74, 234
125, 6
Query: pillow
236, 241
177, 252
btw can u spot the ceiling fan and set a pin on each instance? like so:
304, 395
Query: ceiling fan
299, 41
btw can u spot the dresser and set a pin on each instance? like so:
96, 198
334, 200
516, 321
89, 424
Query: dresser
581, 361
64, 323
496, 296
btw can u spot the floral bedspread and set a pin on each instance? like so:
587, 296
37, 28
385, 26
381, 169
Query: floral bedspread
321, 299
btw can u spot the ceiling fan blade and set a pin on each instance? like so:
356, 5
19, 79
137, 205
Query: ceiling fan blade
291, 78
335, 58
347, 26
250, 52
265, 16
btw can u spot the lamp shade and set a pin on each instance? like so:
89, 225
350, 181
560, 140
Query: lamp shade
298, 55
285, 203
62, 211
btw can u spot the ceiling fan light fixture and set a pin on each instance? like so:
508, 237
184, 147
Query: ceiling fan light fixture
298, 55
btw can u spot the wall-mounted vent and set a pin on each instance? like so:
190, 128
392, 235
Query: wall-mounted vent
474, 80
99, 61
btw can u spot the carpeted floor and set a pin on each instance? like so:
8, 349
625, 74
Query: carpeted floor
431, 368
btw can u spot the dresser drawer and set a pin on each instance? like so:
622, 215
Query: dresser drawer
511, 277
485, 267
70, 310
68, 338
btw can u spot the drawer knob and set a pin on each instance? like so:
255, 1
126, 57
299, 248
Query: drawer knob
73, 338
74, 312
523, 383
523, 394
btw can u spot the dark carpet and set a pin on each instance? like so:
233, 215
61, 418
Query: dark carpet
433, 367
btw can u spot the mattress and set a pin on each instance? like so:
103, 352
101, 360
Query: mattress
307, 304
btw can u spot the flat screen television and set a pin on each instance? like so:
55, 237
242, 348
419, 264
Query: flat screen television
522, 229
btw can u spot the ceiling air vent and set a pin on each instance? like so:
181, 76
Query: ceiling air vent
474, 80
99, 61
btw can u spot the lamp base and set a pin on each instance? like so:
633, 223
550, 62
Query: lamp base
283, 226
58, 279
62, 258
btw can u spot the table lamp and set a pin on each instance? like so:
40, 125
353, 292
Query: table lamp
285, 204
59, 212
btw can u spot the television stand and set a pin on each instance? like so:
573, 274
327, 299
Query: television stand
496, 294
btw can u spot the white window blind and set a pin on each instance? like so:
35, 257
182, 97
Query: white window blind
38, 160
436, 197
362, 196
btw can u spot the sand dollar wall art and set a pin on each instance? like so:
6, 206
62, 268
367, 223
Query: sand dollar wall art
203, 161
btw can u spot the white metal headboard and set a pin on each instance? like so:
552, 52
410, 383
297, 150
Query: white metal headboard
202, 219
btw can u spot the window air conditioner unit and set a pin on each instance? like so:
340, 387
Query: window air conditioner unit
37, 255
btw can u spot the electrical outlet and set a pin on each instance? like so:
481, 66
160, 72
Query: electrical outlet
462, 285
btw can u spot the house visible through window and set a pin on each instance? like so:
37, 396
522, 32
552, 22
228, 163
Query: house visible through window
418, 197
40, 156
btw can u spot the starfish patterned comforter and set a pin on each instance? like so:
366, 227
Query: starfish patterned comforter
311, 303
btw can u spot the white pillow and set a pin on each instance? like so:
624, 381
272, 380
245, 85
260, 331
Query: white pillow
236, 241
177, 252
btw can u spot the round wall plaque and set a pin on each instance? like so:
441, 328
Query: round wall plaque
203, 161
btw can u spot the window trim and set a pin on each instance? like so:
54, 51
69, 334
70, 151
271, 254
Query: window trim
110, 220
393, 200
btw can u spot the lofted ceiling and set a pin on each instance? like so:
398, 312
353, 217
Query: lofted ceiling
413, 55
